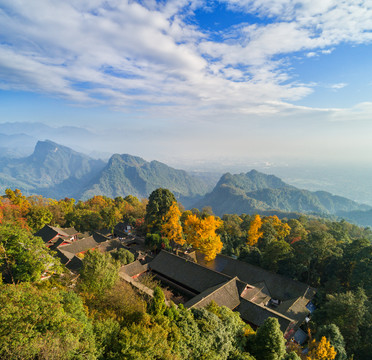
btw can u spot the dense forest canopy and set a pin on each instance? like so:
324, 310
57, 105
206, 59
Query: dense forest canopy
98, 316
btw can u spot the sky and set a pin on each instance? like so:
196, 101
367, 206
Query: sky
191, 81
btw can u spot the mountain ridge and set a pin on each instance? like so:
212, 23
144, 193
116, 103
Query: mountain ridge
127, 174
57, 171
255, 192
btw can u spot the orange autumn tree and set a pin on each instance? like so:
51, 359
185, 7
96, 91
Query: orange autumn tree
11, 213
97, 203
201, 234
321, 350
254, 232
171, 228
16, 198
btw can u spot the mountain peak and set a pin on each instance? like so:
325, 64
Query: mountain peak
44, 148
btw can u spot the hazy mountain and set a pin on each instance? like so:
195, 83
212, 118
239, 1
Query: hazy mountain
71, 136
49, 167
255, 192
16, 145
363, 218
126, 174
57, 171
42, 131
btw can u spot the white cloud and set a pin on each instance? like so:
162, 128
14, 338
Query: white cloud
338, 86
124, 53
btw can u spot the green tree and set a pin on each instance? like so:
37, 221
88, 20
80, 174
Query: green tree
106, 333
110, 217
99, 272
298, 231
269, 343
291, 356
24, 257
160, 201
348, 312
156, 242
157, 306
84, 220
231, 225
124, 256
312, 256
43, 324
275, 252
38, 216
145, 342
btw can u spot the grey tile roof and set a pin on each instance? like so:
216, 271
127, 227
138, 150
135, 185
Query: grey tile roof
296, 310
98, 237
75, 264
70, 231
278, 286
256, 314
62, 257
189, 274
71, 261
79, 246
48, 232
110, 245
258, 293
223, 295
66, 254
134, 268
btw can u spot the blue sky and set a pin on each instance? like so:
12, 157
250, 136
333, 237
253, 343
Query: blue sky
181, 81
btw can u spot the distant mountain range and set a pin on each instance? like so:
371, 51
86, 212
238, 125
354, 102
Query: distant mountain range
255, 192
126, 174
56, 171
18, 139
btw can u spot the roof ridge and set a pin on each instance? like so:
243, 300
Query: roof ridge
218, 287
270, 310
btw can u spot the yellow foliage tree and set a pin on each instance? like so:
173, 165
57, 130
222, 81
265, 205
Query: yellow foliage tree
172, 229
281, 228
192, 230
254, 232
201, 234
97, 203
321, 350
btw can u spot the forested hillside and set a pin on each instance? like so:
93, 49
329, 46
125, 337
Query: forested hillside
130, 175
256, 192
97, 316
